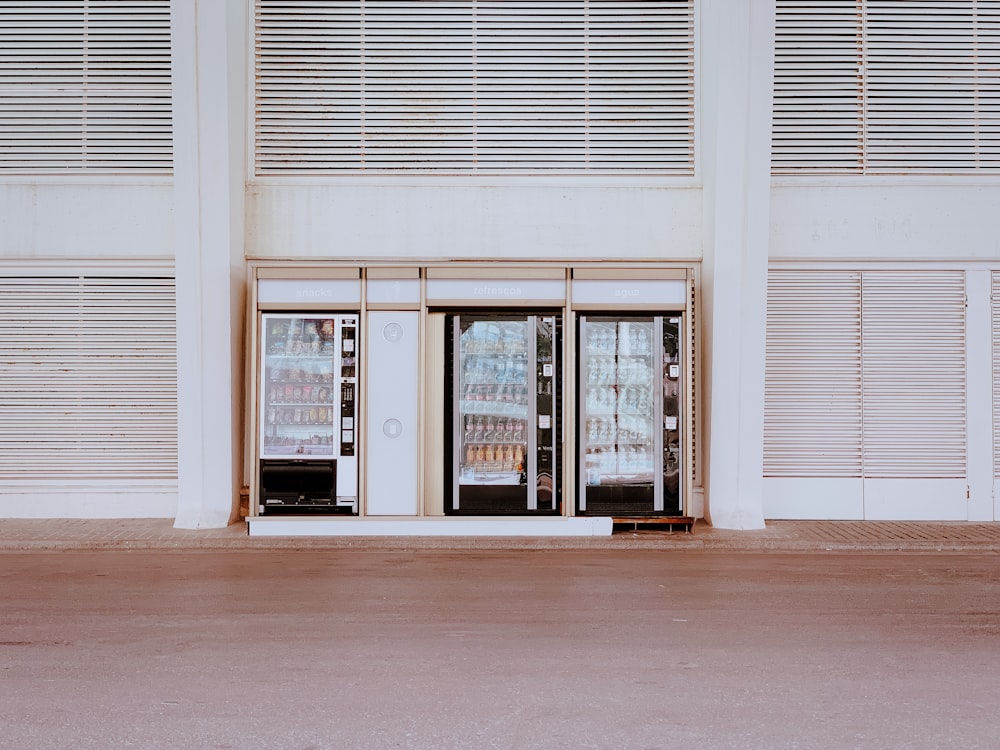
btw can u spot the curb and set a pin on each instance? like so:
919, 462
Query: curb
75, 535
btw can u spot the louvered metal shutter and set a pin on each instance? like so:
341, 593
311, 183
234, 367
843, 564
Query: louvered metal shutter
887, 86
474, 86
914, 379
85, 87
812, 402
817, 111
88, 383
995, 314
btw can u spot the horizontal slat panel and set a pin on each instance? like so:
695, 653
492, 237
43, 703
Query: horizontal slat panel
866, 374
886, 87
817, 116
474, 86
812, 403
914, 374
995, 314
85, 87
88, 383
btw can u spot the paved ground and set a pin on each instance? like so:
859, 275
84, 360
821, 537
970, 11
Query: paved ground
18, 534
555, 648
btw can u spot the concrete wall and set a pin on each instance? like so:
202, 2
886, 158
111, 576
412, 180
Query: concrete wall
732, 217
899, 219
373, 219
110, 218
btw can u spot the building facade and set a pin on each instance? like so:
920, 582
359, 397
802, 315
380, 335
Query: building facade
805, 191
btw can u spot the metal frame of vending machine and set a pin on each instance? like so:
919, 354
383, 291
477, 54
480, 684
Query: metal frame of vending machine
304, 396
503, 425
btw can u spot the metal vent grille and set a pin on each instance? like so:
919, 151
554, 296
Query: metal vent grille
812, 402
88, 383
865, 374
887, 87
85, 87
480, 86
913, 333
995, 315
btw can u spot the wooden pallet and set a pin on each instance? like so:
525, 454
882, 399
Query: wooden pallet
684, 523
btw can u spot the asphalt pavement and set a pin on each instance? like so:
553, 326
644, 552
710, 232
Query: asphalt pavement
324, 648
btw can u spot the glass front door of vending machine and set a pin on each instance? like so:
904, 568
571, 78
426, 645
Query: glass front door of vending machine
629, 420
502, 412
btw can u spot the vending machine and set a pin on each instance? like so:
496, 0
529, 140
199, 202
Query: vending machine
308, 412
502, 417
629, 421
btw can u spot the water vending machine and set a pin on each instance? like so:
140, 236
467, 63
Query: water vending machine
629, 422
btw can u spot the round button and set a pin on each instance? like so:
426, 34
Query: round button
392, 428
392, 332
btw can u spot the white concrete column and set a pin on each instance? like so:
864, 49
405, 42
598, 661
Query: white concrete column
208, 83
979, 393
736, 83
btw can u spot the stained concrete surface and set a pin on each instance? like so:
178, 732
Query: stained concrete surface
499, 649
160, 534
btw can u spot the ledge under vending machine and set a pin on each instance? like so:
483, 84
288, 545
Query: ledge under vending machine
307, 408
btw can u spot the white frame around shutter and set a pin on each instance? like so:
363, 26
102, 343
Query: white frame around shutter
85, 87
88, 382
474, 86
886, 87
812, 401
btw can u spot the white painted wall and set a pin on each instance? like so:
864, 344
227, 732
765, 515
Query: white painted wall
209, 132
86, 218
902, 219
110, 500
737, 70
474, 220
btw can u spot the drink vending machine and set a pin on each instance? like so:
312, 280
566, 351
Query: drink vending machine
629, 415
502, 455
308, 413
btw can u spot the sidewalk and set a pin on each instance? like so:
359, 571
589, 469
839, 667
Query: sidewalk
816, 536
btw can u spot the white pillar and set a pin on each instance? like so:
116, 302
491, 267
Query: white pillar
208, 106
737, 69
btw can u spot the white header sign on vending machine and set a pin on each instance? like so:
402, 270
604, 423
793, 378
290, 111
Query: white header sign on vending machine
292, 293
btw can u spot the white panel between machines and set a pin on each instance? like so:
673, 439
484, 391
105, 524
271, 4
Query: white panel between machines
393, 291
393, 413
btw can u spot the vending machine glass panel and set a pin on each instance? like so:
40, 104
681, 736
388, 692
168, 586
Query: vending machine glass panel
502, 413
308, 412
629, 426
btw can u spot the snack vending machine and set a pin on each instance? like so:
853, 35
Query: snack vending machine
502, 451
308, 413
629, 415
